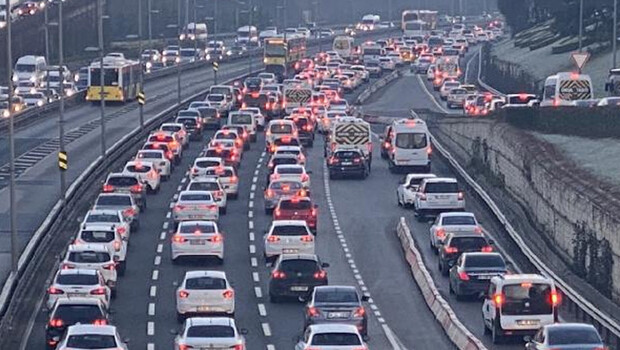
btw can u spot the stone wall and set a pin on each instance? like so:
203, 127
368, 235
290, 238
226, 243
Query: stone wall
554, 194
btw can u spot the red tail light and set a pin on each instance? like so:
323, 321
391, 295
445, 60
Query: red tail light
216, 238
498, 299
55, 291
278, 275
129, 212
169, 155
307, 238
312, 311
313, 212
386, 145
487, 249
178, 239
305, 177
273, 239
68, 266
429, 150
117, 245
229, 294
238, 347
56, 323
333, 160
277, 212
100, 323
422, 197
108, 188
183, 294
452, 250
98, 291
136, 188
357, 160
440, 233
270, 193
555, 298
121, 230
179, 207
110, 267
320, 275
463, 276
359, 312
234, 179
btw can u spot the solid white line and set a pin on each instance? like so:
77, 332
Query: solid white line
262, 310
155, 275
432, 97
252, 249
151, 309
253, 261
396, 344
266, 329
255, 276
258, 292
150, 328
157, 260
153, 292
160, 248
162, 235
251, 236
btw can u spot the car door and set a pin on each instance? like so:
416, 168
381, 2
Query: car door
488, 311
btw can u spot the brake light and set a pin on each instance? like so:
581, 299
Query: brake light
183, 294
307, 238
359, 312
312, 311
169, 155
179, 207
121, 230
216, 238
429, 150
478, 229
277, 274
440, 233
56, 323
273, 239
357, 160
487, 249
463, 276
185, 347
386, 145
117, 245
461, 196
98, 291
68, 266
129, 212
422, 196
108, 188
498, 299
100, 322
452, 250
234, 179
229, 294
320, 275
277, 212
109, 267
305, 177
333, 160
238, 347
555, 298
55, 291
269, 193
136, 188
313, 212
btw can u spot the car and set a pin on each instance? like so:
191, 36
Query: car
305, 129
198, 238
452, 222
281, 188
395, 57
106, 235
111, 218
387, 63
204, 293
230, 156
211, 117
245, 120
92, 256
288, 237
331, 336
456, 98
179, 130
227, 176
103, 337
297, 151
298, 208
195, 205
232, 133
210, 332
192, 124
123, 203
340, 105
296, 275
447, 87
34, 99
71, 311
126, 183
279, 159
277, 129
78, 283
212, 185
565, 336
337, 304
346, 162
171, 139
430, 73
374, 68
161, 147
146, 172
472, 272
159, 161
421, 65
201, 164
170, 58
609, 101
258, 116
293, 172
436, 195
364, 73
408, 186
268, 78
456, 244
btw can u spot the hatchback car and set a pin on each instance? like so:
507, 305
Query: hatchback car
337, 304
198, 238
298, 208
204, 292
457, 244
565, 336
68, 312
210, 332
92, 337
195, 205
296, 275
331, 336
472, 272
288, 237
78, 283
281, 188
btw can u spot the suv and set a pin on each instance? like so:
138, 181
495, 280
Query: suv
92, 256
337, 304
67, 312
126, 183
296, 275
436, 195
347, 162
105, 235
457, 244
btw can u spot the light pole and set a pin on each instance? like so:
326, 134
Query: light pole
614, 43
580, 25
12, 206
61, 115
172, 26
141, 62
99, 49
47, 50
215, 16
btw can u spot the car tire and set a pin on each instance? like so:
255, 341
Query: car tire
485, 329
444, 269
450, 289
113, 293
234, 195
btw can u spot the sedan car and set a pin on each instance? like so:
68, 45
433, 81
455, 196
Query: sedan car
195, 205
74, 283
293, 172
82, 336
227, 176
337, 304
128, 184
213, 186
198, 238
457, 244
113, 218
204, 292
201, 164
296, 275
565, 336
210, 333
281, 188
452, 222
473, 271
331, 336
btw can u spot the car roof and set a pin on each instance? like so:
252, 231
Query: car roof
111, 175
89, 247
335, 288
440, 180
205, 273
456, 213
526, 277
571, 325
77, 272
277, 223
312, 257
290, 166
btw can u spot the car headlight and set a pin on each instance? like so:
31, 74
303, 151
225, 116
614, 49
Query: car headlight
228, 53
39, 103
182, 37
2, 24
69, 93
208, 57
177, 60
149, 65
33, 79
15, 79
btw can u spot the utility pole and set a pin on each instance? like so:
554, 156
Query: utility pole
101, 77
195, 32
141, 79
61, 115
179, 43
47, 50
580, 25
251, 12
12, 206
215, 16
614, 43
150, 9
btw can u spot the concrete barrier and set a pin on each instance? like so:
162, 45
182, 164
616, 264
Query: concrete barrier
365, 95
462, 338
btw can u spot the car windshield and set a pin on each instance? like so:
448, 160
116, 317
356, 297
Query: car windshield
72, 314
281, 129
216, 98
210, 331
336, 296
468, 243
205, 283
572, 335
112, 218
527, 299
485, 261
442, 187
122, 181
77, 279
207, 163
193, 197
91, 341
458, 220
97, 236
336, 339
291, 204
411, 140
114, 200
289, 230
89, 257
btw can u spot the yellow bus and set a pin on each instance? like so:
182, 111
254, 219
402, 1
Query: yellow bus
120, 80
281, 54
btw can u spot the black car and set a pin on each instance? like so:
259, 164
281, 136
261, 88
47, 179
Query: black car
67, 312
252, 84
305, 129
192, 125
337, 304
456, 244
472, 272
346, 163
296, 275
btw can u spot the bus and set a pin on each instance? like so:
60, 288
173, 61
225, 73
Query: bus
415, 28
282, 53
120, 80
429, 17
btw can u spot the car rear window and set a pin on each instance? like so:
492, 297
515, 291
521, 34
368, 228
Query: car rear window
295, 205
485, 260
208, 112
111, 218
161, 138
89, 257
114, 200
91, 341
468, 243
188, 114
190, 197
138, 169
217, 152
207, 163
458, 220
289, 230
220, 172
185, 228
225, 136
347, 154
97, 236
78, 279
336, 296
287, 160
211, 331
122, 181
290, 170
281, 129
285, 185
156, 155
572, 335
336, 339
173, 128
186, 121
299, 265
241, 118
442, 187
414, 140
203, 186
527, 299
205, 283
72, 314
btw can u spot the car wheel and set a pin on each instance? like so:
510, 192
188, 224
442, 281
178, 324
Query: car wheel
398, 201
268, 211
450, 289
485, 329
121, 268
113, 293
444, 269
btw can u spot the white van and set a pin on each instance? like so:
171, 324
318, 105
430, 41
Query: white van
565, 87
343, 45
409, 145
519, 305
30, 68
246, 119
247, 35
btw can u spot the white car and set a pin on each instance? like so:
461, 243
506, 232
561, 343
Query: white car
34, 99
340, 105
437, 195
268, 78
112, 218
210, 333
122, 202
158, 159
212, 185
82, 283
405, 193
202, 163
258, 116
328, 336
95, 234
447, 86
294, 150
363, 72
82, 336
179, 129
288, 237
455, 223
198, 238
227, 176
95, 256
395, 57
430, 73
205, 292
293, 172
146, 172
387, 63
195, 205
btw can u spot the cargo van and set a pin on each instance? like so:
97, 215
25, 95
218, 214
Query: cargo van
30, 68
245, 119
408, 145
563, 88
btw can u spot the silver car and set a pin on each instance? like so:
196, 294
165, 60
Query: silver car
122, 202
565, 336
210, 333
195, 205
337, 304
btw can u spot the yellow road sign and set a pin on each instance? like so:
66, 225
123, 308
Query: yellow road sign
63, 161
141, 98
216, 66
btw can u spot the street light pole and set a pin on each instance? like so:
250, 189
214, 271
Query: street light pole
251, 12
580, 25
141, 78
47, 51
101, 76
215, 16
614, 43
195, 33
179, 44
150, 10
12, 206
61, 115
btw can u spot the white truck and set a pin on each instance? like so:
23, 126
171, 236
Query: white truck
247, 35
348, 133
296, 94
369, 22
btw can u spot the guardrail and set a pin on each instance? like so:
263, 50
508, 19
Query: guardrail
365, 95
482, 83
607, 326
452, 326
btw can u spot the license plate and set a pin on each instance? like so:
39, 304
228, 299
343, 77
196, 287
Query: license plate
299, 288
445, 196
75, 295
289, 251
197, 242
338, 315
484, 277
346, 163
195, 216
204, 309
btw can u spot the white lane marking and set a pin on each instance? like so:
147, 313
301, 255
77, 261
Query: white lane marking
179, 188
150, 346
250, 214
254, 180
262, 155
271, 347
151, 309
183, 180
251, 225
255, 276
160, 248
150, 328
175, 197
252, 249
432, 97
171, 206
253, 261
251, 204
251, 195
165, 225
266, 329
162, 235
258, 166
251, 236
258, 292
262, 310
155, 275
153, 292
256, 172
157, 260
169, 214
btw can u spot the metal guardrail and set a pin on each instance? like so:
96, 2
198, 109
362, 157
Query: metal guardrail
365, 95
482, 83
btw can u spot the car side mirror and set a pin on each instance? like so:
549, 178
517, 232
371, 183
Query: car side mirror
365, 297
316, 206
126, 340
324, 265
308, 171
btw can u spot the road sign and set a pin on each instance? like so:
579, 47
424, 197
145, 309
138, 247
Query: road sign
216, 66
580, 59
63, 161
141, 98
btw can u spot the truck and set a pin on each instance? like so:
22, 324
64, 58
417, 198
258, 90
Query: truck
296, 94
247, 35
348, 133
563, 88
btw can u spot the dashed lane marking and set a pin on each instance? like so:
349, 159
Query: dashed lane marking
153, 292
150, 328
160, 248
252, 249
251, 234
258, 292
150, 346
255, 276
254, 262
162, 235
266, 329
251, 225
155, 275
262, 310
157, 260
151, 310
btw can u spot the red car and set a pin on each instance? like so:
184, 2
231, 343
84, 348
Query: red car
297, 208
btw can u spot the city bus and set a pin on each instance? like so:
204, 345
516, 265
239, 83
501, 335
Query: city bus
429, 17
282, 53
120, 80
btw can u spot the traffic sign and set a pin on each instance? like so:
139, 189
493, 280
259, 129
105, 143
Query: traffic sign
216, 66
580, 59
141, 98
63, 161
